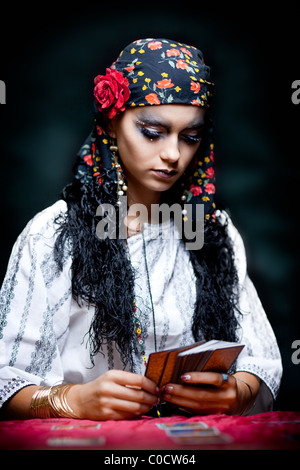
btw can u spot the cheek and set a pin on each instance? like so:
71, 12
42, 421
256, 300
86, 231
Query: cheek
127, 150
187, 157
135, 153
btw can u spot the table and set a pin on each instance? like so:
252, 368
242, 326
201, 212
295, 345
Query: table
273, 430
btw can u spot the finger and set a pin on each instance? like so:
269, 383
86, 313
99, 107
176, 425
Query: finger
112, 406
216, 399
137, 395
215, 406
211, 393
133, 380
174, 391
208, 378
109, 389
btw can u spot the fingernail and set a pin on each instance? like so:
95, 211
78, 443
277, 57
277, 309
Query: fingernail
168, 389
186, 377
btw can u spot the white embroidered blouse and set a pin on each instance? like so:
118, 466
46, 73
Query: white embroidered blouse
43, 331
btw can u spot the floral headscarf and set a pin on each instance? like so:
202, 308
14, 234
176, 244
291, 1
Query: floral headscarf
151, 72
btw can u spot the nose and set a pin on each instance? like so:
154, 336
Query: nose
170, 150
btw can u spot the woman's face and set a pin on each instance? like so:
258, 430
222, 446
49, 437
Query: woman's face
156, 145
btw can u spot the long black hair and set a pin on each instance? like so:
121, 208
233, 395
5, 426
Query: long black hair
102, 274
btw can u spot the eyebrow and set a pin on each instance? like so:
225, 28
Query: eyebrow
152, 120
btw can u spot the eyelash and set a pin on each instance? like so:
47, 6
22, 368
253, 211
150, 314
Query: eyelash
191, 139
151, 135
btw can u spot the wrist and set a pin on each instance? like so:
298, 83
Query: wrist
74, 399
245, 398
52, 402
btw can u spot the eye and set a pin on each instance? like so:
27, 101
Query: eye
150, 135
191, 139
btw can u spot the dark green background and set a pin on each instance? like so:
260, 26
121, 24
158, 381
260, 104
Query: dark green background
48, 61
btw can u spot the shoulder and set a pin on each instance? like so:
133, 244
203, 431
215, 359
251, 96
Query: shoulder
41, 230
237, 243
232, 230
44, 221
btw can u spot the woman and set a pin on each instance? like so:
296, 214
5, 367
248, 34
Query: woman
97, 282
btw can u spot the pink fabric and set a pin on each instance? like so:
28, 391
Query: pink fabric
276, 430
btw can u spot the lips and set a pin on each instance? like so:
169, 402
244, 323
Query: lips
165, 174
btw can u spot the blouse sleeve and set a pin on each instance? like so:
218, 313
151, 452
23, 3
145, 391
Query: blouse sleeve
32, 319
261, 355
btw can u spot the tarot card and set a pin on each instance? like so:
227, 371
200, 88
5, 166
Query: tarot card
68, 427
193, 432
182, 425
68, 441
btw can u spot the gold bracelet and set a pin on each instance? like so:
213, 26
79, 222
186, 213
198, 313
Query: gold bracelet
39, 406
51, 402
58, 402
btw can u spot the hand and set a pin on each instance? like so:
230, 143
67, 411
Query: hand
114, 395
209, 393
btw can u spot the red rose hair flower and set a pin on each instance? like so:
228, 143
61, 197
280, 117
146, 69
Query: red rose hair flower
111, 92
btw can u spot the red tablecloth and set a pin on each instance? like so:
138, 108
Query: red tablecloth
276, 430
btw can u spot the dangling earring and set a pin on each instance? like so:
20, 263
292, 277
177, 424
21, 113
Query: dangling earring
121, 186
183, 198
